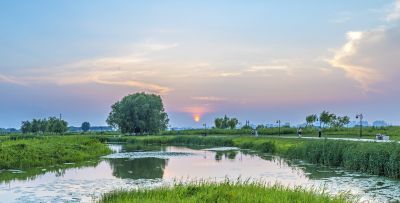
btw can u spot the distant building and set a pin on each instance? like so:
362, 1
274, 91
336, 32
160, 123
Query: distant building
379, 124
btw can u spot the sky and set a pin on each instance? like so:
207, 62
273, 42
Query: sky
255, 60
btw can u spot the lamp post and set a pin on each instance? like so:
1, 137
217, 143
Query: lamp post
360, 116
205, 129
279, 126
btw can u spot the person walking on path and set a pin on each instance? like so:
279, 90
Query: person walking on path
319, 133
299, 131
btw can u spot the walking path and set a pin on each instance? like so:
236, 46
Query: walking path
337, 138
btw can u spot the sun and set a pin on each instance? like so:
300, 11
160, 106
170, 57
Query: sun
196, 118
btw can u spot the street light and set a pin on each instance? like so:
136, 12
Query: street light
360, 116
279, 126
205, 129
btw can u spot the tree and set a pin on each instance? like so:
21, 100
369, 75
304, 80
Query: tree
52, 125
139, 113
311, 119
218, 122
85, 126
35, 126
232, 123
26, 127
326, 118
226, 122
345, 120
340, 122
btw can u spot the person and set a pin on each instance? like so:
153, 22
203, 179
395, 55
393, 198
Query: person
319, 132
299, 132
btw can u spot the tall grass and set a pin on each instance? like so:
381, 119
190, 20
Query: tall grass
223, 192
46, 151
374, 158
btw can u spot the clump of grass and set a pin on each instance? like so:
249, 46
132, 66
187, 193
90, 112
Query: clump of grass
46, 151
227, 191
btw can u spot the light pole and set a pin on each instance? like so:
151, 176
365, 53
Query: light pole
360, 116
279, 126
205, 129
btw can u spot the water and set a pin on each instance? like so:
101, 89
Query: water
132, 167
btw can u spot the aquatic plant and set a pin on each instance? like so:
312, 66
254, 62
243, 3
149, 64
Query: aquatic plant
228, 191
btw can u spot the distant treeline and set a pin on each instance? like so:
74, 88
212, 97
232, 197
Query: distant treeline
41, 126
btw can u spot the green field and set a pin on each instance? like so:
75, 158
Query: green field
47, 151
223, 192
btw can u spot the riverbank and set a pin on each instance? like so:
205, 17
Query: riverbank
46, 151
222, 192
381, 159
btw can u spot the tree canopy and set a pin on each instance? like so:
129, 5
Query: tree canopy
332, 120
138, 114
311, 119
51, 125
226, 122
85, 126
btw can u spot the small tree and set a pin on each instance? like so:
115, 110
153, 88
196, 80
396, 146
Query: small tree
26, 127
326, 118
226, 122
218, 122
345, 121
232, 123
85, 126
311, 119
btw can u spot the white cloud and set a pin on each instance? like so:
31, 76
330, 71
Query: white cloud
151, 46
12, 80
370, 57
395, 13
132, 70
209, 98
262, 68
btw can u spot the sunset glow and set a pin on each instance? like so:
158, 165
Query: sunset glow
196, 118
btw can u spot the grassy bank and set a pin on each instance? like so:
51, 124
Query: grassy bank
221, 192
368, 132
45, 151
373, 158
381, 159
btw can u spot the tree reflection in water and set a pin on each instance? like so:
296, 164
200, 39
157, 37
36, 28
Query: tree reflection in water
227, 154
143, 168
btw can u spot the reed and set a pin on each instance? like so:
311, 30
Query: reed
224, 192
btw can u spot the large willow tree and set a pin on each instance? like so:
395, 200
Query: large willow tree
139, 113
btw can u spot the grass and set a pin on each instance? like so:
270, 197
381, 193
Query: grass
381, 159
46, 151
222, 192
